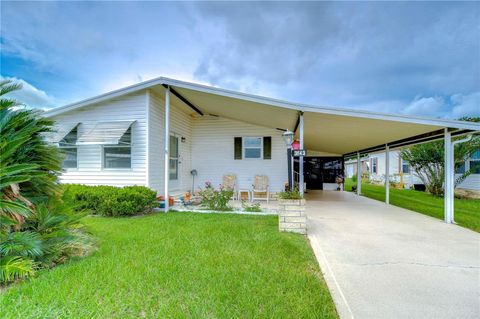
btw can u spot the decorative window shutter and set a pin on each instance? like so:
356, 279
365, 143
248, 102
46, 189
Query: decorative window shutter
238, 148
267, 147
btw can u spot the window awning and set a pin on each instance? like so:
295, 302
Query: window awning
105, 133
59, 132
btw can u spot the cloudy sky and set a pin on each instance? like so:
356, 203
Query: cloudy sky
410, 58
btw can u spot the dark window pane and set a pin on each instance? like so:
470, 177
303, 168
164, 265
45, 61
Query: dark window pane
70, 160
173, 171
475, 167
237, 148
70, 139
267, 147
252, 153
374, 165
460, 169
405, 168
475, 155
173, 146
253, 142
117, 157
126, 138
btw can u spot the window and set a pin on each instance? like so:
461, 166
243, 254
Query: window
252, 147
405, 167
475, 162
460, 169
374, 165
69, 148
173, 172
119, 155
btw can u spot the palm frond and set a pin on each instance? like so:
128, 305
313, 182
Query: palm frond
22, 243
11, 207
15, 267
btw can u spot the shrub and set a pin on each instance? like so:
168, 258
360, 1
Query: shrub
255, 207
354, 178
295, 194
215, 199
111, 200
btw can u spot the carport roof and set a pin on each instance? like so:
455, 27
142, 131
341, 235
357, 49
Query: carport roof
327, 129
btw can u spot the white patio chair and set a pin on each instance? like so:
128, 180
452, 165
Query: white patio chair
230, 182
260, 187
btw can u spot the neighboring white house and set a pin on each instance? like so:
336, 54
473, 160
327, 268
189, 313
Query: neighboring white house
118, 138
374, 166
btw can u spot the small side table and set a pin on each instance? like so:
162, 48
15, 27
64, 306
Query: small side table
240, 191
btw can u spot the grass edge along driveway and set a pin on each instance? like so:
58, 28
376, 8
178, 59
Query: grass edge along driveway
467, 211
180, 265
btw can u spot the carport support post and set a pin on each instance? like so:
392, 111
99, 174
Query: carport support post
301, 157
167, 145
448, 191
359, 174
387, 174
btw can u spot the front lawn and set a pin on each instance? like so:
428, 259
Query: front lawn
180, 265
467, 211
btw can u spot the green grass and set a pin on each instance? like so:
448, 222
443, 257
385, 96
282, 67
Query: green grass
180, 265
467, 211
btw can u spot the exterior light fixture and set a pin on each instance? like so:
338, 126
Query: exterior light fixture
288, 138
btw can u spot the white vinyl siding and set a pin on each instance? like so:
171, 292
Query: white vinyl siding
472, 182
213, 149
180, 126
90, 169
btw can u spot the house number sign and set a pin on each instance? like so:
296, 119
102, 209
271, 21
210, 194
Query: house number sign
298, 153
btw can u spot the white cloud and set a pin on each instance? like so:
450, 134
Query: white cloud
434, 106
453, 107
465, 105
30, 95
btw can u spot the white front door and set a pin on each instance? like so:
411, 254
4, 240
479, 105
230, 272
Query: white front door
174, 172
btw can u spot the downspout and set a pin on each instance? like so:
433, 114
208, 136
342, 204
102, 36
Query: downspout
463, 140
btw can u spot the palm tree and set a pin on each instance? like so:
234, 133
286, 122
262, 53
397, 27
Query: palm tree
28, 165
32, 233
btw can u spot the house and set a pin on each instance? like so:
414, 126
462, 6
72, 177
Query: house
400, 171
157, 132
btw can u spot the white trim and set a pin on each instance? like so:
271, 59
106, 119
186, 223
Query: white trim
387, 174
176, 136
448, 178
300, 162
359, 174
147, 140
265, 100
166, 166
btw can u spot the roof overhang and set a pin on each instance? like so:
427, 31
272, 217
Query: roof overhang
327, 129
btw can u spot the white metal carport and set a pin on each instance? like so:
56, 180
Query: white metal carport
344, 132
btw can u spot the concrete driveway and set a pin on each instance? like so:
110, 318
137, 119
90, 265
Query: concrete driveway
382, 261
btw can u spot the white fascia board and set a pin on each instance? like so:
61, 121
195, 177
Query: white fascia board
103, 97
324, 110
269, 101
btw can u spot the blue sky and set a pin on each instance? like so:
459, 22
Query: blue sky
409, 58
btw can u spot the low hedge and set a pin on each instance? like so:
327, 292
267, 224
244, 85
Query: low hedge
110, 200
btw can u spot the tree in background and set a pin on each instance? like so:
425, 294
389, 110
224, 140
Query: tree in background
427, 160
36, 230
